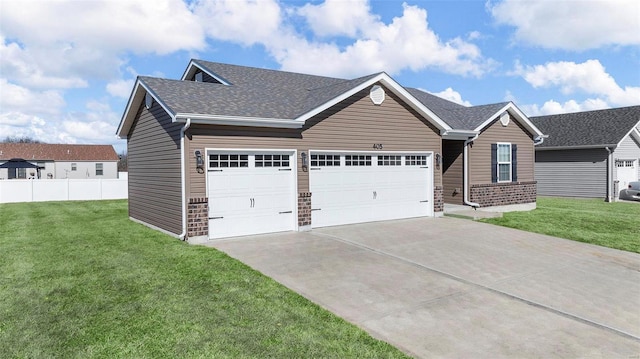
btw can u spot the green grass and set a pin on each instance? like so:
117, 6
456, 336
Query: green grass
614, 225
79, 280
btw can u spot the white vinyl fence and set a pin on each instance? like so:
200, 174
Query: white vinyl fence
24, 190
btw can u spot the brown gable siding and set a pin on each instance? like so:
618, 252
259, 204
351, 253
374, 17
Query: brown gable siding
480, 152
452, 171
153, 149
354, 124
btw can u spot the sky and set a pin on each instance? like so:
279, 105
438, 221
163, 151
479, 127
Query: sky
67, 68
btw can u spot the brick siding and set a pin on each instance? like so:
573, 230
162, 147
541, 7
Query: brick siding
502, 194
304, 209
198, 217
438, 199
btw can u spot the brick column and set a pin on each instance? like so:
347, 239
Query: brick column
304, 210
438, 199
198, 217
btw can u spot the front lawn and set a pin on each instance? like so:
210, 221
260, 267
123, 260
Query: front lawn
614, 225
79, 279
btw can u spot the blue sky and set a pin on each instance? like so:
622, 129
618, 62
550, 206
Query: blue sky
67, 68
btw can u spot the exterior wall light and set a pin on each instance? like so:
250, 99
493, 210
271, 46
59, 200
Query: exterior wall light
199, 161
303, 157
438, 160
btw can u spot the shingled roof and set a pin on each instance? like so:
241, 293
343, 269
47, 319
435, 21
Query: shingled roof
240, 92
57, 152
600, 128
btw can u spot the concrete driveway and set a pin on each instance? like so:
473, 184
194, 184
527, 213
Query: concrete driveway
455, 288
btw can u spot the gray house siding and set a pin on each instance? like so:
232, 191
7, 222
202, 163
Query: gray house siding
629, 149
572, 173
153, 149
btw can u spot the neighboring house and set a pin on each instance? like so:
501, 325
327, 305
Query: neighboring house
60, 161
588, 154
231, 150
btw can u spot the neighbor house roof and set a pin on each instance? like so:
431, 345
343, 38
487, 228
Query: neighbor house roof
57, 152
260, 97
601, 128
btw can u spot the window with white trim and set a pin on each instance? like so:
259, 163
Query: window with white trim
357, 160
99, 169
415, 160
272, 160
229, 160
504, 162
389, 160
74, 166
320, 160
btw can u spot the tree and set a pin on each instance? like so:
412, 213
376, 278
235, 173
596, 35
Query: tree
16, 139
123, 165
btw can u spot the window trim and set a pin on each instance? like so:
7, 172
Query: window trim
498, 162
100, 170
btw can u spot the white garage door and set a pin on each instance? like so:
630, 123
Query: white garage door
250, 192
626, 171
364, 187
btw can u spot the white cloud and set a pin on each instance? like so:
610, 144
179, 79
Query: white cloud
589, 77
120, 88
244, 21
339, 17
552, 107
452, 95
14, 98
371, 45
572, 25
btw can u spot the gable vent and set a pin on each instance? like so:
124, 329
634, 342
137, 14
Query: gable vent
504, 118
148, 101
377, 95
198, 77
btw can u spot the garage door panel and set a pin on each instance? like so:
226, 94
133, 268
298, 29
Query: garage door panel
385, 189
250, 200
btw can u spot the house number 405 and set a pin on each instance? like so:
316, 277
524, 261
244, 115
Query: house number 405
377, 146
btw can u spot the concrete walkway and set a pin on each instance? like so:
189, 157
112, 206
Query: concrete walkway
454, 288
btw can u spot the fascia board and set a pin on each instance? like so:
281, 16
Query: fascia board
514, 110
191, 69
238, 121
458, 134
584, 147
135, 100
633, 130
393, 86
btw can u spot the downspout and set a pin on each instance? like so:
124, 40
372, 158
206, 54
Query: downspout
609, 170
183, 235
465, 160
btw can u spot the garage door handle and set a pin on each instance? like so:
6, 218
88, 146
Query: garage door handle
316, 209
285, 212
216, 217
215, 170
315, 168
426, 200
424, 167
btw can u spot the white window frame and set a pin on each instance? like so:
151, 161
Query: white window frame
498, 162
100, 171
74, 166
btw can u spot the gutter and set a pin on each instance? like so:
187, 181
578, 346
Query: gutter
609, 171
539, 140
465, 196
183, 236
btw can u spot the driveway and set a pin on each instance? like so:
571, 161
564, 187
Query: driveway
455, 288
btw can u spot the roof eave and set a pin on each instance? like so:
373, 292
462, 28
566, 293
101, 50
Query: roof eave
135, 100
193, 67
394, 87
459, 135
579, 147
520, 116
238, 121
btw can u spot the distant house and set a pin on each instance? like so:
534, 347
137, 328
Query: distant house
588, 154
60, 161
